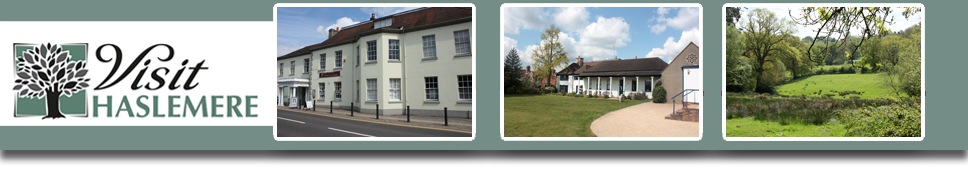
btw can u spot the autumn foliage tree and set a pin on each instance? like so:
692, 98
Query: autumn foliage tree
46, 71
550, 54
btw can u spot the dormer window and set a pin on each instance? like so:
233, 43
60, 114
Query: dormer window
382, 23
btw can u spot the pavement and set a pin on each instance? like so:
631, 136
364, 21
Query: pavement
643, 120
322, 123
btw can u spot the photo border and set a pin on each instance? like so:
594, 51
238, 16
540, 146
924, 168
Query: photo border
506, 5
723, 95
275, 21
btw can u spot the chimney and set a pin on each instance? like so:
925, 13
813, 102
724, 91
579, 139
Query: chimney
332, 32
580, 61
372, 16
636, 57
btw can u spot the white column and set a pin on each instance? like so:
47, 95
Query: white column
652, 83
623, 85
609, 84
599, 86
637, 83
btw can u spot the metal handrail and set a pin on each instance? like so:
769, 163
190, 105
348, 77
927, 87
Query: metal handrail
687, 92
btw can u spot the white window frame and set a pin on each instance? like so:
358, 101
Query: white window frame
465, 86
429, 46
394, 49
371, 51
322, 61
282, 66
371, 85
292, 71
338, 92
339, 59
395, 89
431, 89
322, 91
462, 42
383, 23
306, 67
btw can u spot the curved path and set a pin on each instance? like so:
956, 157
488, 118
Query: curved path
643, 120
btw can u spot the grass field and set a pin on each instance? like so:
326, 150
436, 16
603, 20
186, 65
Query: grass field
555, 116
869, 84
750, 127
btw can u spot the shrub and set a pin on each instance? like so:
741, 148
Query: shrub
898, 120
606, 96
659, 93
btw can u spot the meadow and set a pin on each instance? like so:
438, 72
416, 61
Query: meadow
843, 86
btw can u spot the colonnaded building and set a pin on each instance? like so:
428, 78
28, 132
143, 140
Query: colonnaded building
420, 58
639, 75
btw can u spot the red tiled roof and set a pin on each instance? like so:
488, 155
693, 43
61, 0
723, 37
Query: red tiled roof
418, 18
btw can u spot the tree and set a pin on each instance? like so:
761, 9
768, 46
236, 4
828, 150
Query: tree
549, 55
512, 71
873, 52
840, 21
733, 15
739, 73
905, 76
47, 72
764, 32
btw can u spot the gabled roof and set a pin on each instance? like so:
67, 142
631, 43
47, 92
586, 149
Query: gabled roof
691, 44
417, 19
626, 67
570, 70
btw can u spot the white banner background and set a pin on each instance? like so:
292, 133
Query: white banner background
239, 57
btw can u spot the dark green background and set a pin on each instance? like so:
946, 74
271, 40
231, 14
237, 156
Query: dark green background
944, 113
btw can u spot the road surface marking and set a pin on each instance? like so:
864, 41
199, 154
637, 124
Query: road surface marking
291, 120
341, 130
298, 111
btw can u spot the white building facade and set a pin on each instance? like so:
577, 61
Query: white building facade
611, 77
413, 58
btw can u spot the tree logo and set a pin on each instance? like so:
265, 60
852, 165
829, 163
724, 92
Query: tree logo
45, 72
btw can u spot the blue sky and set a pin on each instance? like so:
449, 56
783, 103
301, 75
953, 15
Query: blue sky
298, 27
601, 33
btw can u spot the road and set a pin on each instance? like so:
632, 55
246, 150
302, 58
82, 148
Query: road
298, 124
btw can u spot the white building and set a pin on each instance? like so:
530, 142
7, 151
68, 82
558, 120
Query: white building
419, 58
611, 77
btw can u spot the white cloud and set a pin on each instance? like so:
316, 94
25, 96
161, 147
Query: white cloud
671, 48
662, 11
508, 44
341, 22
518, 18
571, 19
686, 19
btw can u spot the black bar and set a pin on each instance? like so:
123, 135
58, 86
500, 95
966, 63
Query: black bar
314, 105
351, 108
377, 111
408, 113
445, 116
330, 107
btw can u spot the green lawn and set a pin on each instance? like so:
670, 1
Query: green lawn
750, 127
869, 84
555, 116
